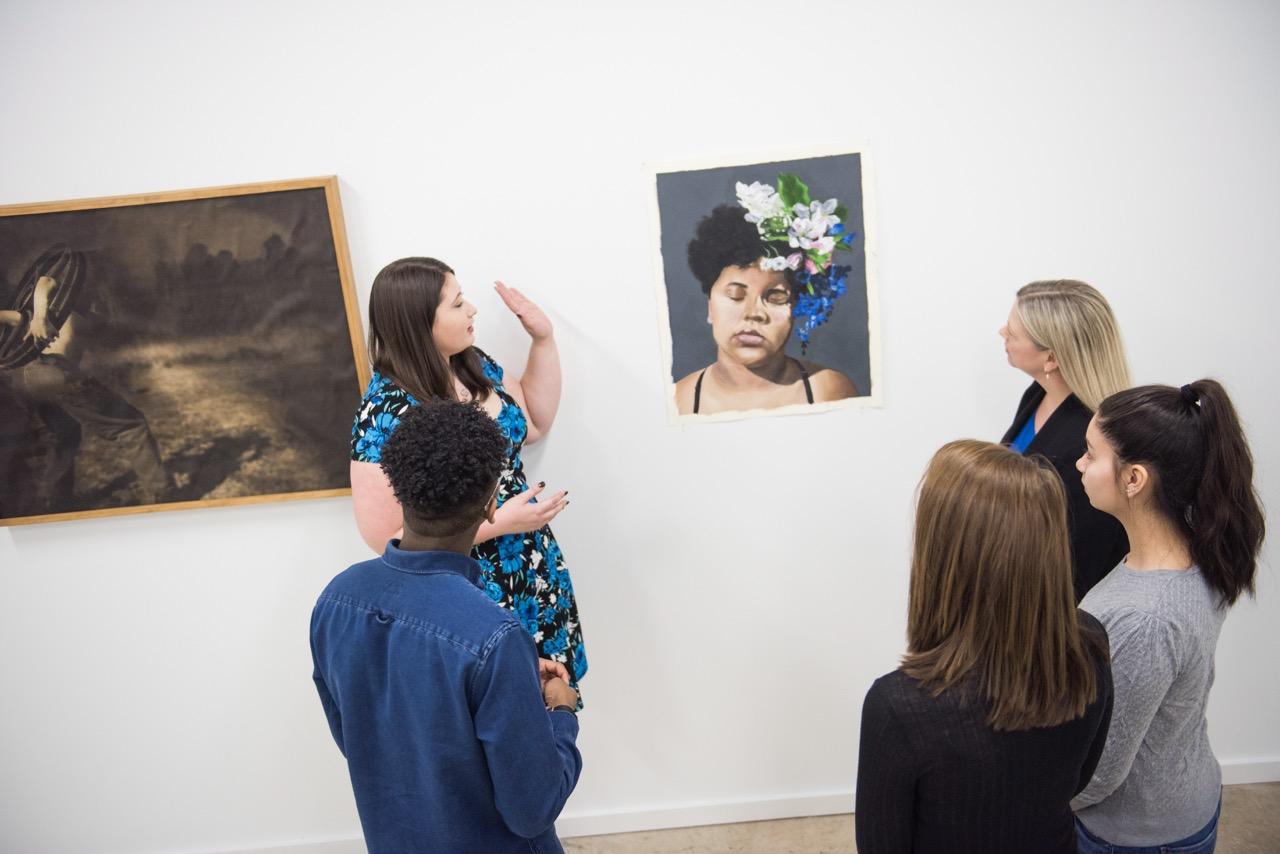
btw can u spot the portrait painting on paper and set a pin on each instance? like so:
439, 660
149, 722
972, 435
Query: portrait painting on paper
175, 350
767, 296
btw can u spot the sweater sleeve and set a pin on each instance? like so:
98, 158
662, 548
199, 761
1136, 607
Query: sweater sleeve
1106, 698
533, 759
885, 799
1143, 666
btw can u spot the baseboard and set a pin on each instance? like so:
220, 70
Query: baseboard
1235, 773
696, 814
661, 817
337, 846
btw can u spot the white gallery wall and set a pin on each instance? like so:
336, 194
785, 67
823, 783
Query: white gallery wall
741, 584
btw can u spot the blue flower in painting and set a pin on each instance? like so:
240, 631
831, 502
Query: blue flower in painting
379, 429
836, 230
557, 643
493, 591
527, 613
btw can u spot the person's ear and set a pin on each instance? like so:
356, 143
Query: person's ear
1050, 362
1135, 478
491, 509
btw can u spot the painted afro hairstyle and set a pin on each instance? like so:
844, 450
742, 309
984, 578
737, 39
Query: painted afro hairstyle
443, 461
725, 239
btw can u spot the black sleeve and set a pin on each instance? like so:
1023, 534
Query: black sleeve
1100, 648
885, 798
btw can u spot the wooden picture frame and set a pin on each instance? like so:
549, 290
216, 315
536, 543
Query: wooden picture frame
175, 350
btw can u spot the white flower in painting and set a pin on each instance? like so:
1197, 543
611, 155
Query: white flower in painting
760, 200
809, 228
776, 263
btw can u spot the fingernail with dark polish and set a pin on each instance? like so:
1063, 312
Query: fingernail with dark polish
542, 483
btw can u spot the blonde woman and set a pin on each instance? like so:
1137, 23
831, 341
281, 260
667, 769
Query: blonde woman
1000, 709
1063, 335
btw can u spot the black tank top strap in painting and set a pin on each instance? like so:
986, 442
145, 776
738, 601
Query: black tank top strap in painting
804, 377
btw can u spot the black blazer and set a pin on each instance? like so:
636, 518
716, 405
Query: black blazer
1098, 541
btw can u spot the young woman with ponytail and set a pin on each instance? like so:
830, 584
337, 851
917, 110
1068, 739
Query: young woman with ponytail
1172, 465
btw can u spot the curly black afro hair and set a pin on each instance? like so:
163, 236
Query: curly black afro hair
443, 462
724, 239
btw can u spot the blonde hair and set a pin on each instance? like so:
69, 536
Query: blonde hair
1075, 321
991, 595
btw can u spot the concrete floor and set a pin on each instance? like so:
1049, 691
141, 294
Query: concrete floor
1250, 824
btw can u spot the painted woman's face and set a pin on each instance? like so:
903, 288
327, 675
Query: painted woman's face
750, 314
453, 331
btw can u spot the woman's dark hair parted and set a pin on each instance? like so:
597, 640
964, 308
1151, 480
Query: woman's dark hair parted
402, 310
991, 601
724, 239
443, 462
1202, 470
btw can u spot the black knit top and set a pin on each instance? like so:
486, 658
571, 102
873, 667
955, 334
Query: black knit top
933, 776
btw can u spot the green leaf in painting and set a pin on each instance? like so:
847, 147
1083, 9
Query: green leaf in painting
792, 190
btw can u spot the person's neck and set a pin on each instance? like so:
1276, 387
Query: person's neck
1055, 391
1154, 542
731, 374
411, 541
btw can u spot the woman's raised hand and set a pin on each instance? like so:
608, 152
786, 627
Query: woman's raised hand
521, 514
535, 322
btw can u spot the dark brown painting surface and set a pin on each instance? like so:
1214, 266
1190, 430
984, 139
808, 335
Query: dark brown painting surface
205, 355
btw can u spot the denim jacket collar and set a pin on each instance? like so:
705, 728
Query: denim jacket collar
426, 562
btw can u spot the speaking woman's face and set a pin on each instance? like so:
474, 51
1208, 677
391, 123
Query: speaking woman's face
453, 329
750, 314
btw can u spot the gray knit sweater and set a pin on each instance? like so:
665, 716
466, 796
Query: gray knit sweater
1158, 780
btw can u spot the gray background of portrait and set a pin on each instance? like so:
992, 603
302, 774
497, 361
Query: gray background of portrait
686, 197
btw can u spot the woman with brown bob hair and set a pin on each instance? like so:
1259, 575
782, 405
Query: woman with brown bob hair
1000, 709
422, 344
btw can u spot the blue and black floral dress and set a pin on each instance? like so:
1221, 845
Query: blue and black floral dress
524, 573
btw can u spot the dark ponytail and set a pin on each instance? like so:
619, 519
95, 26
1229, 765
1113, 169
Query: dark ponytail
1202, 473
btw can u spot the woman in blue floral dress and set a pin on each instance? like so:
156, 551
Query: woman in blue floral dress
523, 569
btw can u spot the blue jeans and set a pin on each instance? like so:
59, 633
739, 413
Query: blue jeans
1200, 842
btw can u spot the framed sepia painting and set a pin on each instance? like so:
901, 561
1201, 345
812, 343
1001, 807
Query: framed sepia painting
176, 350
766, 289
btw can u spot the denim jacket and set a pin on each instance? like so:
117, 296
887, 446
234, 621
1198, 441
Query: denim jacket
433, 696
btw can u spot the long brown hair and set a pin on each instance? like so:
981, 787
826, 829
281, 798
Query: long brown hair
1191, 440
991, 598
402, 310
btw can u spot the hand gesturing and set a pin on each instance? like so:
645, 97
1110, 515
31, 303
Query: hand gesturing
535, 322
